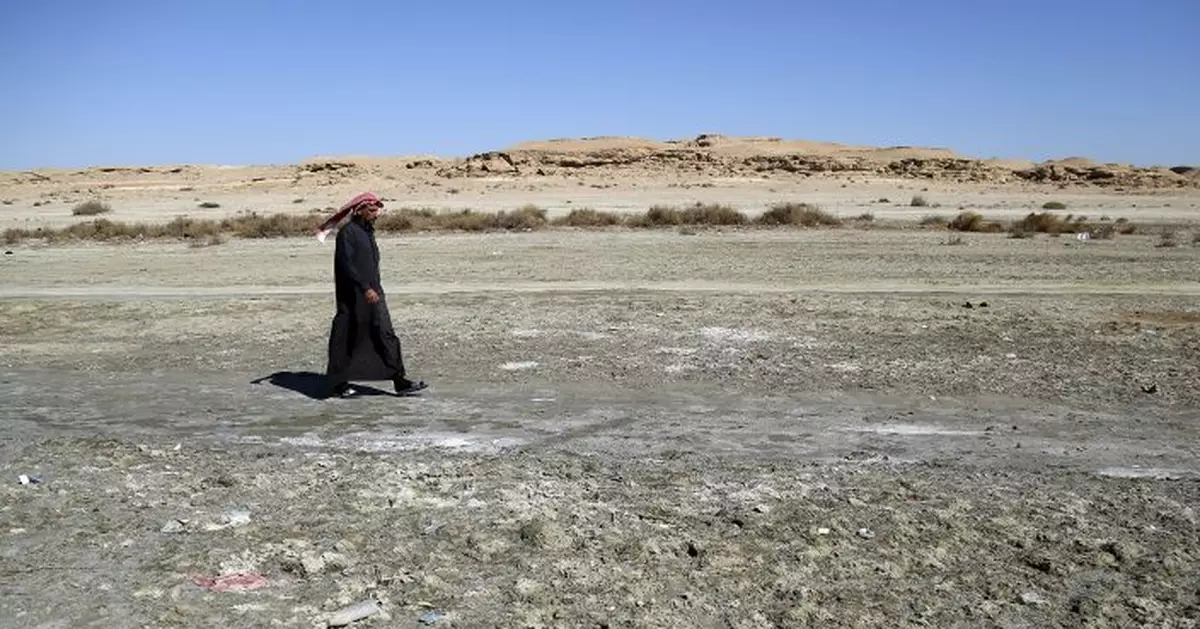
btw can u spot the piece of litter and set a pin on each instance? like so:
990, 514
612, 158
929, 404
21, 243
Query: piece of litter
353, 613
235, 582
866, 533
430, 617
28, 480
823, 531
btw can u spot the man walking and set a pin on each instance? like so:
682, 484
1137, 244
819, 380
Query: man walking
362, 343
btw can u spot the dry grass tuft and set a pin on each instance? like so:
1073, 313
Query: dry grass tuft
801, 214
91, 208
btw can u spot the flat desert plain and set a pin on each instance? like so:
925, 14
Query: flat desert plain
878, 423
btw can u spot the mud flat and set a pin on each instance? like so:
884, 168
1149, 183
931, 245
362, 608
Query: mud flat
736, 428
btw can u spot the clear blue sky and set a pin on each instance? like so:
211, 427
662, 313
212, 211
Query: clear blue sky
220, 81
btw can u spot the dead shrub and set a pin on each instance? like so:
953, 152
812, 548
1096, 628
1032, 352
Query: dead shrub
1167, 239
712, 214
407, 220
918, 201
250, 225
91, 208
974, 222
466, 220
798, 214
657, 216
524, 217
587, 217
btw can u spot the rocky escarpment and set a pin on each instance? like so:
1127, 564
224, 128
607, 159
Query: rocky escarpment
704, 155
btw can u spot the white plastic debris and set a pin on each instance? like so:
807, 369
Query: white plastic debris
353, 613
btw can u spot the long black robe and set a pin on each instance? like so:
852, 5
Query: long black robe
362, 343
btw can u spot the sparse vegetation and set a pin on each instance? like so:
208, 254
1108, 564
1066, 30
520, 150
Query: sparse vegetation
91, 208
209, 205
919, 201
1054, 205
801, 214
531, 217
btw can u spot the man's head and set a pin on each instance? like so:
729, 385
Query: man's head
370, 209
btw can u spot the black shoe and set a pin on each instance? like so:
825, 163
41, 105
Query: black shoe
342, 390
404, 386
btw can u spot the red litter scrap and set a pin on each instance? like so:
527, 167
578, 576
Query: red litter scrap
235, 582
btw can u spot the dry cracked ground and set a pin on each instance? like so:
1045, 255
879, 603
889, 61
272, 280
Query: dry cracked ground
748, 429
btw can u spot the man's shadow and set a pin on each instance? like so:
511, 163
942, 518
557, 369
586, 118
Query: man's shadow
312, 385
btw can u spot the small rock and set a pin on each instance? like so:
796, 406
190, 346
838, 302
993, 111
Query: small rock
983, 304
968, 305
174, 526
429, 618
866, 533
763, 509
1032, 598
1010, 355
8, 253
312, 564
1151, 388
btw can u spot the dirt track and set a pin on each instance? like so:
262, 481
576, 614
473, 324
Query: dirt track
739, 428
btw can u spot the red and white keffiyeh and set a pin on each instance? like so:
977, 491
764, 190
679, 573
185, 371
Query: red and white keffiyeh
365, 199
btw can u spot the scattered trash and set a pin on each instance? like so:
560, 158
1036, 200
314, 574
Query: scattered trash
866, 533
823, 531
235, 582
1010, 355
353, 613
29, 480
430, 617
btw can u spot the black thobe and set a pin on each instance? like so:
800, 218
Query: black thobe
362, 343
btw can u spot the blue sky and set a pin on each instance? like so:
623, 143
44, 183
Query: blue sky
218, 81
